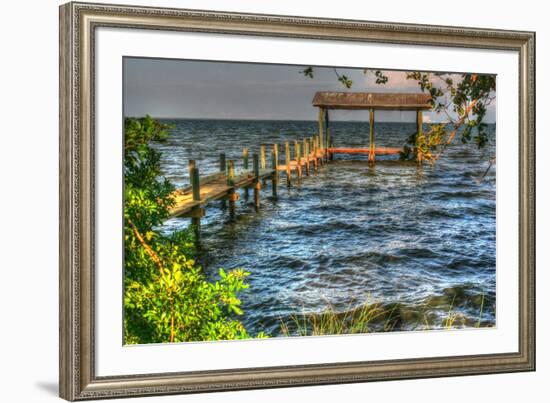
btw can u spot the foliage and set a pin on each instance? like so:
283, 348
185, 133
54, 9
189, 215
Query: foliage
342, 78
463, 101
423, 146
167, 298
346, 82
381, 78
308, 72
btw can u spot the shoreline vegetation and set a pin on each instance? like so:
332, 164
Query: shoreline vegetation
375, 317
167, 297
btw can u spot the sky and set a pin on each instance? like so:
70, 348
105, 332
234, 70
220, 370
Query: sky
168, 88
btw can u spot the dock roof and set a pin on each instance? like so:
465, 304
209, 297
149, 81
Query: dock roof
374, 100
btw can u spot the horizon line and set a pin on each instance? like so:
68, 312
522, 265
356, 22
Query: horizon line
282, 120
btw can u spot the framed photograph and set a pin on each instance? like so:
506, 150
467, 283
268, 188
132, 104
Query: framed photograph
255, 201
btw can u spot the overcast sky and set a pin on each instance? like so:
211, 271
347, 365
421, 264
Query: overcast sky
166, 88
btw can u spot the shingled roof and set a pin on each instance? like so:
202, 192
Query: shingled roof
375, 100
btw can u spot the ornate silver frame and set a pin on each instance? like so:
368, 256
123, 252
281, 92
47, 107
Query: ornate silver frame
78, 22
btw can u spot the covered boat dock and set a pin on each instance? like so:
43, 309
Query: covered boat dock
370, 101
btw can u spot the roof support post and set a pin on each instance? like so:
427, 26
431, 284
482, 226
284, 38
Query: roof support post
329, 138
321, 128
371, 136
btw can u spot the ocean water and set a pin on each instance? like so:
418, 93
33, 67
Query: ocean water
424, 239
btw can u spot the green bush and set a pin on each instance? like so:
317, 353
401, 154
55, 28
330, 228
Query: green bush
166, 296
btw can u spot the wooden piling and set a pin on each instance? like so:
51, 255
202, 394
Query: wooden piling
328, 136
320, 149
314, 149
223, 166
257, 184
287, 160
190, 167
245, 167
231, 173
276, 153
262, 159
195, 184
306, 155
262, 156
275, 167
232, 195
196, 190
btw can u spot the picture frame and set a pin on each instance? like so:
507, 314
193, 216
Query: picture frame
79, 23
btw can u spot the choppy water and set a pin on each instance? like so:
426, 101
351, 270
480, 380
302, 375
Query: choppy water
349, 234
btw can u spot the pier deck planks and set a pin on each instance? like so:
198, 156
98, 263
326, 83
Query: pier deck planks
213, 189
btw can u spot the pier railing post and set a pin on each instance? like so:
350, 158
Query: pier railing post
298, 157
287, 160
275, 167
245, 167
257, 184
223, 169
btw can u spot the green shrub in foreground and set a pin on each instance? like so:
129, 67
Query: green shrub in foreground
166, 295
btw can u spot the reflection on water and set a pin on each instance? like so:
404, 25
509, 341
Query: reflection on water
350, 233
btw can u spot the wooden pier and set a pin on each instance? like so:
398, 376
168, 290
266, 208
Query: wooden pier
212, 187
306, 156
302, 157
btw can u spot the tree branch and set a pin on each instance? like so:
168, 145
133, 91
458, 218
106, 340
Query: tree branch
457, 126
154, 257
